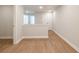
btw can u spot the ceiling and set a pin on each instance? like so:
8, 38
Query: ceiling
36, 8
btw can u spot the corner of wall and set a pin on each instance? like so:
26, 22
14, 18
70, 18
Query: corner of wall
16, 42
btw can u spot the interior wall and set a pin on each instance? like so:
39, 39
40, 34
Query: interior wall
40, 28
47, 18
6, 21
66, 23
38, 18
34, 31
18, 21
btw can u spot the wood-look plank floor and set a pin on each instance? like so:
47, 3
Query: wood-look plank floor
52, 45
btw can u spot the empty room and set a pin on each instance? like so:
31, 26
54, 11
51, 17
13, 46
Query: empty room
39, 28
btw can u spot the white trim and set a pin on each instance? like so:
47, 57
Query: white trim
24, 37
34, 37
16, 42
8, 37
72, 45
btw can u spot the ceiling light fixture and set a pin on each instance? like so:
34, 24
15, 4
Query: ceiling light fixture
41, 7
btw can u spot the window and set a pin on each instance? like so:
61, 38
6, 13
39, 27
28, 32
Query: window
26, 18
32, 19
29, 19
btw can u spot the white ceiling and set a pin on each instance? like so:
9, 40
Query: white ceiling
35, 8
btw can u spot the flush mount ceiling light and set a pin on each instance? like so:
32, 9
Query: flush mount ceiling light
41, 7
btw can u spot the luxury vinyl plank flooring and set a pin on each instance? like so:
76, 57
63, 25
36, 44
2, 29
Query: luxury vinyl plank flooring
52, 45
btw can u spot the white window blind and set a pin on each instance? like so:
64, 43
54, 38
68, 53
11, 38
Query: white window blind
29, 19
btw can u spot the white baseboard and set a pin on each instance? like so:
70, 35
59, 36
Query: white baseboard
72, 45
8, 37
24, 37
16, 42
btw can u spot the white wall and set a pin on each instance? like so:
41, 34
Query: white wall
67, 24
6, 21
35, 31
18, 20
47, 18
38, 18
40, 29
